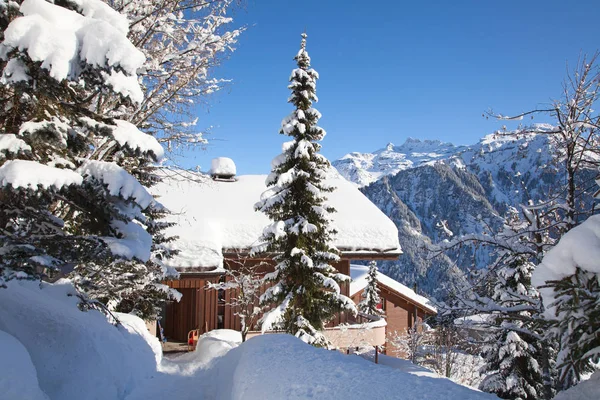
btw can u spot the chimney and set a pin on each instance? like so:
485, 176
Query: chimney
222, 169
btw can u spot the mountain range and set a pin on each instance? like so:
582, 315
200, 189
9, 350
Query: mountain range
434, 191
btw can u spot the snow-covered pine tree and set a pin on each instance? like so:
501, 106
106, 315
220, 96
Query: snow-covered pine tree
576, 298
69, 204
509, 308
513, 349
370, 296
305, 291
569, 280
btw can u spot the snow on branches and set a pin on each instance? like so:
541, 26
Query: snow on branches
61, 39
183, 42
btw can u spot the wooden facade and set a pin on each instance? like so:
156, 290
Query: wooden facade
207, 309
401, 313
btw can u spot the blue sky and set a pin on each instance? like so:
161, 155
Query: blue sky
391, 70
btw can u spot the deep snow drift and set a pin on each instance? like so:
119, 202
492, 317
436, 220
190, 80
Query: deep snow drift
278, 366
77, 355
51, 350
586, 390
18, 379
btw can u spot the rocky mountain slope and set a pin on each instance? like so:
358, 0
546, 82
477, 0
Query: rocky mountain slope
434, 191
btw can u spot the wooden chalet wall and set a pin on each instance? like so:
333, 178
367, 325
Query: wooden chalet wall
400, 314
200, 307
197, 308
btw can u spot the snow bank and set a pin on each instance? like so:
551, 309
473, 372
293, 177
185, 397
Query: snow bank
78, 355
210, 346
213, 344
277, 366
359, 274
214, 215
465, 371
580, 247
227, 335
18, 377
283, 367
585, 390
398, 363
137, 326
222, 166
216, 344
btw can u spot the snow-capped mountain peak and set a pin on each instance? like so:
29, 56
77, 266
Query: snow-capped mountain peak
433, 190
365, 168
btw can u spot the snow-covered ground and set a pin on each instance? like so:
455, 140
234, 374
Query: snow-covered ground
51, 350
464, 372
277, 366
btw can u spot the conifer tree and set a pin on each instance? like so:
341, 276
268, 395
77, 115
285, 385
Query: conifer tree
305, 291
514, 348
73, 180
370, 296
576, 324
568, 280
518, 352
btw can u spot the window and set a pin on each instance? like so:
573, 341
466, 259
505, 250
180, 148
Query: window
381, 305
221, 292
221, 305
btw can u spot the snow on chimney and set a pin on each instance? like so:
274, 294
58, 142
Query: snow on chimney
222, 168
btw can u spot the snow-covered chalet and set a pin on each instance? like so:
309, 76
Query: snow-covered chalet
216, 226
402, 306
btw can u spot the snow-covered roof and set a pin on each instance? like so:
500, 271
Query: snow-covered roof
215, 216
359, 274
